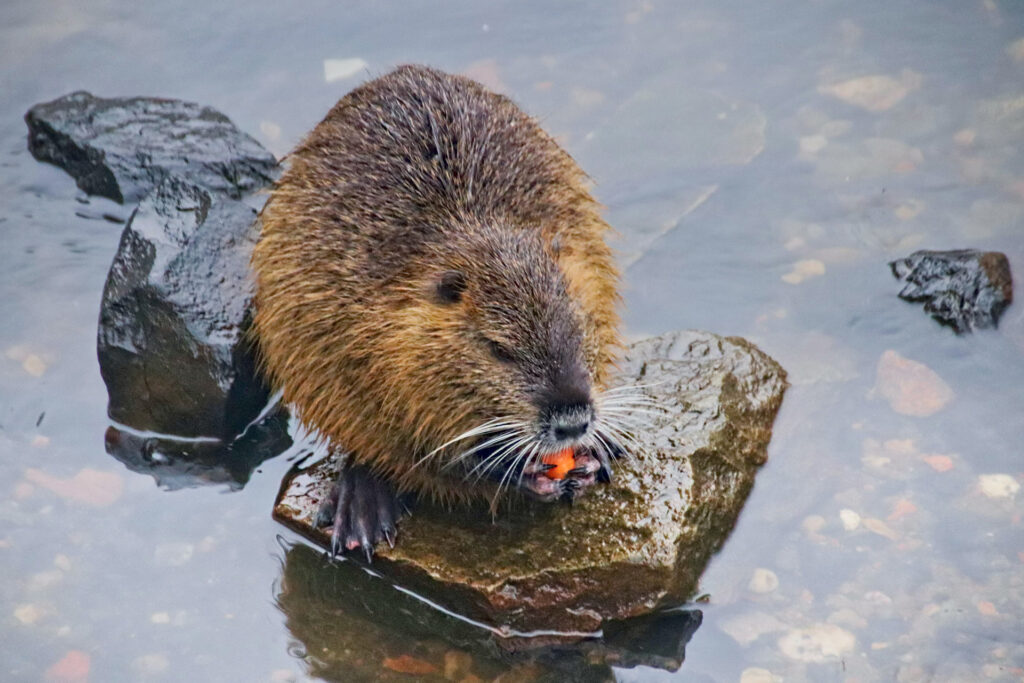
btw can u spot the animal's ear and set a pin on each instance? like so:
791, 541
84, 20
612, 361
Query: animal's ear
450, 286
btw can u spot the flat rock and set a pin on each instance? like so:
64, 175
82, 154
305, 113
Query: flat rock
172, 340
623, 550
964, 288
123, 147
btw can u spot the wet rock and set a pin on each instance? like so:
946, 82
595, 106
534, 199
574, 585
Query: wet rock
964, 288
172, 340
122, 148
624, 549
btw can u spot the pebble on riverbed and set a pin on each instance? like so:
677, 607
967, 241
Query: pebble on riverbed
911, 388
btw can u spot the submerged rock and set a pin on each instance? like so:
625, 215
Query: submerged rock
623, 550
362, 629
172, 340
122, 148
176, 464
964, 288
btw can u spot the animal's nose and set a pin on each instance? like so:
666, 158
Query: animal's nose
571, 422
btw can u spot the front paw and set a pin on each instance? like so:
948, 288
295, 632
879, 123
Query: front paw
586, 471
362, 511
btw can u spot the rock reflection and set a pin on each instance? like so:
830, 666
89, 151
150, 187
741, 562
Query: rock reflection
177, 464
349, 624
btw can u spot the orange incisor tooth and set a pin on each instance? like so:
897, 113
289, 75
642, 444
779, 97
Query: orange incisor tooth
563, 461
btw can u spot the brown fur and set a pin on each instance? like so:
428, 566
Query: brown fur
409, 176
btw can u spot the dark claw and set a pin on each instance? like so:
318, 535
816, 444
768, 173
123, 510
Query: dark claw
362, 510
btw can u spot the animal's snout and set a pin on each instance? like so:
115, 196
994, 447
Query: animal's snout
571, 421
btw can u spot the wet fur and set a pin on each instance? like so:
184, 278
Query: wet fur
409, 176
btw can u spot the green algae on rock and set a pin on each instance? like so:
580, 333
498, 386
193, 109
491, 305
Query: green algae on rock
624, 549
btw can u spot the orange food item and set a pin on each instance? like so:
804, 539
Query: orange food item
563, 461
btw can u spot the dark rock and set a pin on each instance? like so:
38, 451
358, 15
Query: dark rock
623, 550
964, 288
360, 628
122, 148
172, 344
176, 464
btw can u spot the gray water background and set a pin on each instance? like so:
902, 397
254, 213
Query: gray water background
751, 198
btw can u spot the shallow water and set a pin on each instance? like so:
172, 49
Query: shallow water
759, 190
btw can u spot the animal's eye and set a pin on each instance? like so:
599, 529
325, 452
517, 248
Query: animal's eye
501, 352
450, 286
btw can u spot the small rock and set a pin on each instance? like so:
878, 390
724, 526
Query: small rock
122, 148
813, 524
964, 288
271, 130
939, 463
160, 618
42, 580
755, 674
88, 486
874, 93
911, 388
747, 627
23, 490
173, 554
1016, 50
998, 485
72, 668
877, 526
763, 581
902, 508
28, 614
62, 562
818, 643
34, 365
172, 340
811, 144
457, 665
340, 69
909, 209
850, 519
987, 608
965, 137
407, 664
151, 664
804, 269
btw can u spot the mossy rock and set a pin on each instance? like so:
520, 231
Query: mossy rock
622, 550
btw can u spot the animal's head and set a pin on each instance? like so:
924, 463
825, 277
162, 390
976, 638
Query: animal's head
505, 366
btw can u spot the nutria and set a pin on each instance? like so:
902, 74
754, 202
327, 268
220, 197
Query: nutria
436, 297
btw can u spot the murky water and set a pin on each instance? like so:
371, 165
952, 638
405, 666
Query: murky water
763, 162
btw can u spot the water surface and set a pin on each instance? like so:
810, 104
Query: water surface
762, 162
